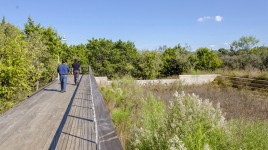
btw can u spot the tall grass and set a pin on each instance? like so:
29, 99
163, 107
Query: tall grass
249, 135
123, 100
189, 123
182, 121
149, 133
251, 73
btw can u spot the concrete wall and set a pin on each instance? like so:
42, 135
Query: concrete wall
183, 79
159, 81
102, 80
197, 79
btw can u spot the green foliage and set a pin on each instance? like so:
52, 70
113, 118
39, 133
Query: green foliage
150, 64
175, 61
196, 122
127, 58
249, 135
190, 123
123, 100
119, 115
14, 59
78, 52
256, 58
205, 59
45, 43
245, 43
26, 58
112, 59
143, 122
150, 135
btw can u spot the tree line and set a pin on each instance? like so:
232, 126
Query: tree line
30, 55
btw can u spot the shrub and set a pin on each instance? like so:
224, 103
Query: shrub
123, 100
144, 122
189, 123
249, 134
196, 122
149, 134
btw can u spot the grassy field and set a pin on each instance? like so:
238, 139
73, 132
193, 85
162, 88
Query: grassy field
255, 74
171, 117
236, 104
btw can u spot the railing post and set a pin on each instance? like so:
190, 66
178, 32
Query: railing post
37, 85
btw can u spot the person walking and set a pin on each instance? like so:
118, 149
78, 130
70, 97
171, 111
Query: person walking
76, 70
63, 71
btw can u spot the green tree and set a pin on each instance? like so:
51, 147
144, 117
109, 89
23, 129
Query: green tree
51, 48
15, 65
150, 64
112, 59
78, 52
205, 59
100, 55
174, 61
245, 42
126, 58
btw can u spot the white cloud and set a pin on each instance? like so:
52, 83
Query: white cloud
227, 45
218, 18
212, 46
201, 19
206, 18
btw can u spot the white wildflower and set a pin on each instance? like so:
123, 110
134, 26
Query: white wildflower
206, 147
176, 94
176, 144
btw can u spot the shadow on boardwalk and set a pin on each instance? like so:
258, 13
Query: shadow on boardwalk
76, 130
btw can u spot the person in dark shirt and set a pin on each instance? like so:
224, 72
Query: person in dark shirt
76, 70
63, 71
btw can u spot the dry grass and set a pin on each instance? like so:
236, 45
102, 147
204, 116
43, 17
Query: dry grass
250, 73
250, 105
245, 110
256, 74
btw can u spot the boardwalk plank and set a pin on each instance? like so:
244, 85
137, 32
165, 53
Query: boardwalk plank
50, 119
40, 114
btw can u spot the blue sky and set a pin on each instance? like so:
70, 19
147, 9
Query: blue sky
147, 23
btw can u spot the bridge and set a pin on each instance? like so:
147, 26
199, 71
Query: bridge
49, 119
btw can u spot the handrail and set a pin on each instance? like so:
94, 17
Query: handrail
94, 113
40, 89
106, 137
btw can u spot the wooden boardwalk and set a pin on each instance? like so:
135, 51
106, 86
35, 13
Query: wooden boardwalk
54, 120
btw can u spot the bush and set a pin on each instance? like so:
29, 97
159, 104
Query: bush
189, 123
196, 122
249, 135
149, 134
123, 100
144, 122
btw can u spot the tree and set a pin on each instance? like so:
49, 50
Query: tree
100, 54
205, 59
15, 65
112, 59
126, 59
150, 64
78, 52
245, 43
48, 44
174, 61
